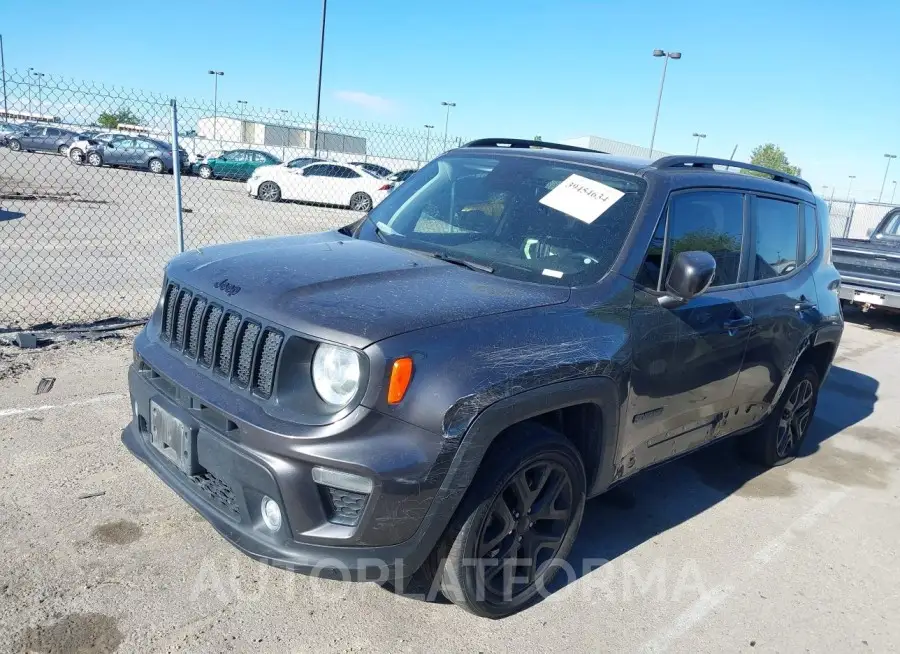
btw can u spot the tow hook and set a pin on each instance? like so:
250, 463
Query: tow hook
865, 307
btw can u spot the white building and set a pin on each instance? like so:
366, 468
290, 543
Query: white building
246, 132
615, 147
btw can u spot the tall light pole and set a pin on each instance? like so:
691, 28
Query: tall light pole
243, 105
216, 75
3, 68
886, 168
319, 89
894, 191
428, 129
284, 134
850, 185
40, 110
30, 73
662, 82
447, 120
698, 137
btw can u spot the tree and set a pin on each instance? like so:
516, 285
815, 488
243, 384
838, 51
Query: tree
123, 116
771, 156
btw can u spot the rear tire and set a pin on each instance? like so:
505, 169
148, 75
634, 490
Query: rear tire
361, 201
94, 159
780, 437
156, 166
205, 172
15, 145
269, 192
76, 156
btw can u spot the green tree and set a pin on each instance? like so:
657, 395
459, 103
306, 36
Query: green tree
123, 116
771, 156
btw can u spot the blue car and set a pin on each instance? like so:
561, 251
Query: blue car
135, 152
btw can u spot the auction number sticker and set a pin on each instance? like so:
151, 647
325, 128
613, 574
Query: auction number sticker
582, 198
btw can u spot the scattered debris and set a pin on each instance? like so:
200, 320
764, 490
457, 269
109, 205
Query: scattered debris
26, 340
35, 418
87, 496
45, 385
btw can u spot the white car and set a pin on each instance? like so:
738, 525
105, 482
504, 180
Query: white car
325, 182
78, 148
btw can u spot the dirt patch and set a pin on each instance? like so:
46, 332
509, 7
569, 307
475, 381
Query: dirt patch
64, 196
86, 633
12, 365
120, 532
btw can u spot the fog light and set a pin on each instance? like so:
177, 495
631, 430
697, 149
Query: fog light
271, 513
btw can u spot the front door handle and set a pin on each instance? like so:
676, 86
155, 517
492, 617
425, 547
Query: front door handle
804, 305
737, 323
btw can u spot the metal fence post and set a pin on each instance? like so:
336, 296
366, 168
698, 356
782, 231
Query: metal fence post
176, 175
849, 218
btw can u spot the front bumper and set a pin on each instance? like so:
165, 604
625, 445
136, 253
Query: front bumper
241, 463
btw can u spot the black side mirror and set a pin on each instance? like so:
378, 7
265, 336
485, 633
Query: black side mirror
690, 276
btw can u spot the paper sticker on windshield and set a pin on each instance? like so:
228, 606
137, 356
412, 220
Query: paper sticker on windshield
582, 198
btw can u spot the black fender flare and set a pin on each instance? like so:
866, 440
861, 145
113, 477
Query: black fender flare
489, 423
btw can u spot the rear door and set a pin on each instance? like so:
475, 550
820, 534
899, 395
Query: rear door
256, 160
785, 302
51, 140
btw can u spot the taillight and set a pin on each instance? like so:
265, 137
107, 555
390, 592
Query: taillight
386, 187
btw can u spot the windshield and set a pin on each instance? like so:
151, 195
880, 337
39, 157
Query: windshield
529, 218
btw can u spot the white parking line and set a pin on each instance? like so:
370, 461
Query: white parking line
50, 407
707, 602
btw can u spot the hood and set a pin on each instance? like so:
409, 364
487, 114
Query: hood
341, 289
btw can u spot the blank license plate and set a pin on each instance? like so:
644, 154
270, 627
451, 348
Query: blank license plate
870, 298
173, 439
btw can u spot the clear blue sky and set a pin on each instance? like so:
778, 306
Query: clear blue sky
821, 79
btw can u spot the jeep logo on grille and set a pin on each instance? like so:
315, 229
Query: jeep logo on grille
227, 287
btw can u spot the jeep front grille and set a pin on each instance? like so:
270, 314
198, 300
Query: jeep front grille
239, 349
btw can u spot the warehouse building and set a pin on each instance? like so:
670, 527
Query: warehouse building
615, 147
246, 132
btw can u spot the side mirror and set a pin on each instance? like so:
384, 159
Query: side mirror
690, 276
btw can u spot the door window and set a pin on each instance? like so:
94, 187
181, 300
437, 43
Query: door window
811, 231
776, 224
316, 171
259, 157
709, 221
237, 157
343, 172
51, 131
124, 144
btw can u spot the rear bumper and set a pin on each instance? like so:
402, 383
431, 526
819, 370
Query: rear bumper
242, 463
860, 293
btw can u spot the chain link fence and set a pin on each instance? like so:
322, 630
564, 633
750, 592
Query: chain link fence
851, 219
88, 200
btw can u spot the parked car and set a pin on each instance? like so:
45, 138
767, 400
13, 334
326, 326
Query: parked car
870, 269
86, 139
436, 389
41, 138
135, 152
7, 130
375, 169
400, 176
321, 182
233, 164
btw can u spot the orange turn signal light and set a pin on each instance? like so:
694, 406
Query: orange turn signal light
401, 375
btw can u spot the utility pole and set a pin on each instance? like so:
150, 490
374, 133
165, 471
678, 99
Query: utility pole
886, 168
662, 82
319, 89
3, 67
216, 75
447, 121
428, 129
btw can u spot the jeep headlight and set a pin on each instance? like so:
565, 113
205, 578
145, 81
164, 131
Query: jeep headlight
335, 374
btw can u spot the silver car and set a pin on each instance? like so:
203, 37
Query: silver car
135, 152
41, 138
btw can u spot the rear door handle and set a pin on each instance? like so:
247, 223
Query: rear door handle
737, 323
804, 305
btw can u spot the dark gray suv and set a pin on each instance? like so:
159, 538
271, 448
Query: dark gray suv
41, 138
427, 397
135, 152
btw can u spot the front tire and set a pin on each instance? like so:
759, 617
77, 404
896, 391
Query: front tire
361, 201
62, 150
269, 192
157, 166
778, 440
516, 525
76, 156
205, 172
94, 159
15, 145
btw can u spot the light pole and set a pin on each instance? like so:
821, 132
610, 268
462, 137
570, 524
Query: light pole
216, 75
698, 137
40, 99
894, 191
662, 82
3, 68
284, 134
850, 186
30, 73
243, 104
886, 168
447, 120
319, 89
428, 129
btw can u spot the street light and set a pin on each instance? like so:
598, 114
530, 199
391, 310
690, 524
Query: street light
216, 75
667, 55
447, 121
850, 186
698, 137
30, 73
894, 191
886, 168
3, 68
284, 134
428, 129
40, 110
319, 90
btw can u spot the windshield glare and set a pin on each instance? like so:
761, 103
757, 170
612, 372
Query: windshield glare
487, 210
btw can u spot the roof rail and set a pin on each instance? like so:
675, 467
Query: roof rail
684, 161
525, 143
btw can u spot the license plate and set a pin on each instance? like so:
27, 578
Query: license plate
173, 439
869, 298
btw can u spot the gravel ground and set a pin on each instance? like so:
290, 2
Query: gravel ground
705, 554
80, 243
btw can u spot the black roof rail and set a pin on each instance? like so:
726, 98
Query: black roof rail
684, 161
525, 143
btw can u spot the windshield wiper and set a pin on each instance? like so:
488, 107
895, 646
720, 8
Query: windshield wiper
471, 265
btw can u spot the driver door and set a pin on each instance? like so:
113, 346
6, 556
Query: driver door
688, 359
114, 152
